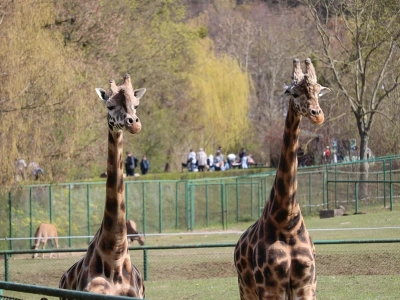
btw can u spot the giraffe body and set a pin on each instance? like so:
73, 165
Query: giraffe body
106, 268
44, 233
275, 257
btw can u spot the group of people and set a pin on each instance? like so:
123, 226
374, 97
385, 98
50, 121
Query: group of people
33, 168
200, 162
131, 163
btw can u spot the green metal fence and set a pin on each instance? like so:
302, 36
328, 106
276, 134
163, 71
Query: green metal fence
372, 258
164, 206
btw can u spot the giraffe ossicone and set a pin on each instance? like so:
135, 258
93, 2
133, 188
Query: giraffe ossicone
107, 268
275, 257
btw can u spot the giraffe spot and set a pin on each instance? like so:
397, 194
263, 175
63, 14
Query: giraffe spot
281, 270
98, 265
237, 253
120, 187
275, 255
107, 245
239, 267
122, 207
248, 278
243, 249
107, 270
90, 250
293, 222
253, 238
269, 279
272, 193
271, 236
108, 221
261, 254
302, 252
302, 236
281, 187
283, 165
82, 280
258, 276
300, 268
261, 233
117, 278
111, 179
292, 241
281, 215
110, 138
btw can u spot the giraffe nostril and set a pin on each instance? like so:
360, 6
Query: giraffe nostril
315, 112
137, 120
129, 121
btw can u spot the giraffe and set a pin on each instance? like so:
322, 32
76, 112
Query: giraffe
133, 234
275, 257
45, 232
106, 268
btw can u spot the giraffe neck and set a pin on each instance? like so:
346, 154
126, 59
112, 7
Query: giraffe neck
282, 206
112, 234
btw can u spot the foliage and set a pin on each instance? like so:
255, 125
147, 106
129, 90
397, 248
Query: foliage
44, 92
222, 91
213, 72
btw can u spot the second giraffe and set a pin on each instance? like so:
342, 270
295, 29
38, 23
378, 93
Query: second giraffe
275, 257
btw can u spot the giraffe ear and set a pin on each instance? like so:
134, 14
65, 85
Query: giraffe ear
102, 94
286, 89
139, 93
323, 91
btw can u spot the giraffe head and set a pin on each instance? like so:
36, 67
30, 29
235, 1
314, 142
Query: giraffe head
122, 102
305, 91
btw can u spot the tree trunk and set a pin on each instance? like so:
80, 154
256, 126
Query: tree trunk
364, 167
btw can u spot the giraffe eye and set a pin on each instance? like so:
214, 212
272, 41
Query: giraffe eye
295, 95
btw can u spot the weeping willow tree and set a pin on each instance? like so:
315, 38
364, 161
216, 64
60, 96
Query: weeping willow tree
221, 92
45, 94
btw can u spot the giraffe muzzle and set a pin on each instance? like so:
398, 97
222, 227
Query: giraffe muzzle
316, 115
133, 125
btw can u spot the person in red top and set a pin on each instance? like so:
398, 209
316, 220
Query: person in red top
327, 155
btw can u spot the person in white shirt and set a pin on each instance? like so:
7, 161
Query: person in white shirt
192, 160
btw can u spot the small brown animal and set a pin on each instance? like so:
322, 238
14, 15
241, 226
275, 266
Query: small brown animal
132, 232
43, 233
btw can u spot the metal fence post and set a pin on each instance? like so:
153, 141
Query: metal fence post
51, 203
144, 206
177, 205
222, 206
391, 194
356, 192
309, 191
30, 213
69, 216
6, 269
160, 207
145, 265
10, 218
207, 206
88, 210
384, 183
237, 201
187, 205
126, 200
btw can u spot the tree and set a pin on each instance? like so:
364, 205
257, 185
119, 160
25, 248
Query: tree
45, 93
360, 42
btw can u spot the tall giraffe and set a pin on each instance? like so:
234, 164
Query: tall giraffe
275, 257
106, 268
